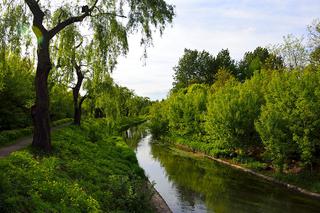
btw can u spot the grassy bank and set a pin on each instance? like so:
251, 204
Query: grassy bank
11, 136
305, 179
88, 171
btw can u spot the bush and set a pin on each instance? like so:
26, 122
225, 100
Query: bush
186, 110
289, 124
232, 111
158, 121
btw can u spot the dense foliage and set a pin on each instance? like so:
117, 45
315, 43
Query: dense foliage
272, 117
200, 67
17, 94
87, 173
263, 110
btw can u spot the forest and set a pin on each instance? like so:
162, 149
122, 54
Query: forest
58, 98
261, 112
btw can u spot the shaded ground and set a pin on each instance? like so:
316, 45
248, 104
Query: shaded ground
22, 143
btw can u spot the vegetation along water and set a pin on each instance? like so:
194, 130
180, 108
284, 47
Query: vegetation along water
66, 123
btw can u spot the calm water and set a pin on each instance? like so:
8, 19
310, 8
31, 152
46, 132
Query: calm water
197, 184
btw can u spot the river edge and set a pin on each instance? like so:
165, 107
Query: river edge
249, 171
159, 204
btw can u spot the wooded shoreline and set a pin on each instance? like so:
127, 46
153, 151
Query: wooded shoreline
249, 171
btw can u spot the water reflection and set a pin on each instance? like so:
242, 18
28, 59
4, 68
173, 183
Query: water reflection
196, 184
133, 135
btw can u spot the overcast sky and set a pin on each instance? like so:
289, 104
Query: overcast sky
239, 25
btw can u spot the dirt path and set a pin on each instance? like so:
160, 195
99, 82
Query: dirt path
22, 143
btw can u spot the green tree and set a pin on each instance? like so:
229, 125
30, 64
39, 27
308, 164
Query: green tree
186, 109
225, 62
159, 123
200, 67
314, 42
289, 122
17, 93
259, 59
232, 111
293, 52
60, 102
193, 67
102, 16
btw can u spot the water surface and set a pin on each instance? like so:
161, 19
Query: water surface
198, 184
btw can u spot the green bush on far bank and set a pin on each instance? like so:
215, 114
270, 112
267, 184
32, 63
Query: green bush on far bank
272, 117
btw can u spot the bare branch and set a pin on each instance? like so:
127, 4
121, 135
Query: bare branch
77, 46
71, 20
66, 23
83, 98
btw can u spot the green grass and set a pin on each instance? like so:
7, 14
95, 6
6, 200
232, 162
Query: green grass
80, 175
11, 136
305, 179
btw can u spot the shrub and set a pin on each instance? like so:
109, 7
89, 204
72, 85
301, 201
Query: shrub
232, 111
158, 121
289, 123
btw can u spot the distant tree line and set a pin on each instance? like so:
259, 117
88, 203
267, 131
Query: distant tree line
264, 107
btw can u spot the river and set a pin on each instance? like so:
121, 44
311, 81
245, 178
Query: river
191, 183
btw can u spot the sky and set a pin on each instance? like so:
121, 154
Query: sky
211, 25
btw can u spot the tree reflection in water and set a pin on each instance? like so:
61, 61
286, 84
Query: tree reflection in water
191, 183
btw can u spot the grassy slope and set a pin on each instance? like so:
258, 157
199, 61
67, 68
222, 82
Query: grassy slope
79, 176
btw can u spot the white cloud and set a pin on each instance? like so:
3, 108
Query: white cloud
239, 26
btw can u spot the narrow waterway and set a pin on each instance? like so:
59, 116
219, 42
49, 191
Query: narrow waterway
197, 184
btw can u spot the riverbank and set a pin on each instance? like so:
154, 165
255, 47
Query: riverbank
132, 137
88, 170
270, 178
158, 202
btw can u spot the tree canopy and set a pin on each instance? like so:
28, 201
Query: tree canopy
110, 22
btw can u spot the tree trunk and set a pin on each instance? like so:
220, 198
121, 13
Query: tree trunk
40, 111
76, 103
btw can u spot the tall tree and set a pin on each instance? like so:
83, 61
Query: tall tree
314, 34
259, 59
101, 16
224, 61
314, 42
193, 67
201, 67
293, 51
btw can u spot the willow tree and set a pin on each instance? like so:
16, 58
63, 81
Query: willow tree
69, 55
78, 59
99, 15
